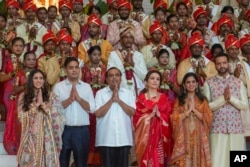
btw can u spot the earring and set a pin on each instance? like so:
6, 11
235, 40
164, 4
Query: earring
196, 90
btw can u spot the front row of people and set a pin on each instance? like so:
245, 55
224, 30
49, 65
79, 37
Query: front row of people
54, 124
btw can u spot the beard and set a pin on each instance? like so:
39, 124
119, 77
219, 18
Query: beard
124, 17
222, 71
196, 56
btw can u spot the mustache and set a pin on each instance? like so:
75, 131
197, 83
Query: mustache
223, 69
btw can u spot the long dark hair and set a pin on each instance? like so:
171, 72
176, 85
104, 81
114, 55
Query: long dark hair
147, 78
29, 94
183, 93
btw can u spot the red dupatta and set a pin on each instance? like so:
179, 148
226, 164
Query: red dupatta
152, 136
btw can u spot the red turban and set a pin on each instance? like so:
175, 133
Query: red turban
79, 1
156, 26
200, 10
94, 19
123, 3
65, 3
196, 38
160, 3
188, 2
245, 39
63, 35
29, 5
12, 3
110, 1
225, 20
247, 15
231, 40
49, 36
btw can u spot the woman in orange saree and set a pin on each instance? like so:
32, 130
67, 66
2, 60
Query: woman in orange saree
191, 120
151, 123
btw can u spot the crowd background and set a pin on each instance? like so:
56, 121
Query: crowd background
181, 63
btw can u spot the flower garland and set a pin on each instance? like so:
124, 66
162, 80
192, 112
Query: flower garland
97, 79
15, 68
155, 49
14, 62
198, 62
174, 37
27, 74
61, 23
166, 77
121, 23
138, 16
81, 17
129, 69
89, 42
3, 35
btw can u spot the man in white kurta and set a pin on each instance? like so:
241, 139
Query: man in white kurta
130, 62
115, 106
31, 31
227, 96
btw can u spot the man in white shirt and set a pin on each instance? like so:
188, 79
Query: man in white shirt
77, 101
115, 106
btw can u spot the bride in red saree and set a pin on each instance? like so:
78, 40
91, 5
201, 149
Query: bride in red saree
151, 122
11, 69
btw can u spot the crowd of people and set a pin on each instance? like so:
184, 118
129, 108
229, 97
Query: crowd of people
167, 89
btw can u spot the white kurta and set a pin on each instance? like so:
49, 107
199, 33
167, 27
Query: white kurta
41, 30
140, 69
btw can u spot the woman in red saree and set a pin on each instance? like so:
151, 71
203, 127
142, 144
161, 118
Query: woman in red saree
191, 120
151, 122
93, 73
10, 70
